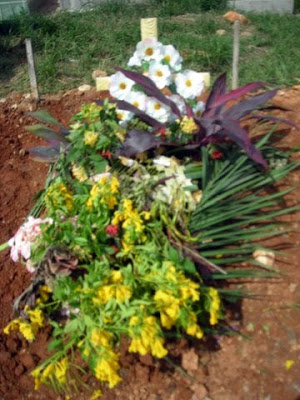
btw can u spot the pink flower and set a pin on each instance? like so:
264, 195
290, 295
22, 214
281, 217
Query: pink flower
22, 241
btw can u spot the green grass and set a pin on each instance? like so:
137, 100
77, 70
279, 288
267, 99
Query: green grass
69, 46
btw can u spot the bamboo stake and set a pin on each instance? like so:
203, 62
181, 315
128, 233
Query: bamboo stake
236, 54
31, 70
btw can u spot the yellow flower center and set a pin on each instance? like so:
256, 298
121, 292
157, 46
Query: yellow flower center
157, 106
188, 83
149, 51
136, 104
159, 73
122, 86
167, 58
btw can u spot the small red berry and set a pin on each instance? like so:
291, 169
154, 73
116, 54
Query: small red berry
216, 154
162, 132
112, 230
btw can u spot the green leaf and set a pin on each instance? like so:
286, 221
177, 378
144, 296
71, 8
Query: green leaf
71, 326
173, 255
55, 344
189, 266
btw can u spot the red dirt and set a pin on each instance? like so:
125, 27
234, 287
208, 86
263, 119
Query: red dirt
233, 368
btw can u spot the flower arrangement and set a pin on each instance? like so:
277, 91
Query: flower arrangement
149, 197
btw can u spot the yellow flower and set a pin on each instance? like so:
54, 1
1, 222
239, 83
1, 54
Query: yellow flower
137, 346
122, 293
100, 337
134, 320
79, 173
105, 293
44, 293
116, 276
96, 394
27, 331
157, 348
36, 374
59, 195
61, 370
36, 317
195, 330
190, 290
90, 138
106, 369
12, 326
215, 306
188, 125
114, 185
167, 304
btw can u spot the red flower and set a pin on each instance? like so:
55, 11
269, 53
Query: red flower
105, 154
162, 132
115, 249
112, 230
216, 154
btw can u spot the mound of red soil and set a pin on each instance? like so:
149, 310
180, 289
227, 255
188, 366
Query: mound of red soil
232, 368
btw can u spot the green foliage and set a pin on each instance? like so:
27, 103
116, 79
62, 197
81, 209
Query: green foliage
67, 52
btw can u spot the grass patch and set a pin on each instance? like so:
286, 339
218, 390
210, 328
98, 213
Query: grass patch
69, 46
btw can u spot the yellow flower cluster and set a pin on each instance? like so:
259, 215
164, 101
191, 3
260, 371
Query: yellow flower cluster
215, 306
188, 125
113, 288
56, 370
79, 173
28, 329
132, 222
90, 138
107, 368
58, 195
146, 337
169, 302
44, 294
91, 112
105, 192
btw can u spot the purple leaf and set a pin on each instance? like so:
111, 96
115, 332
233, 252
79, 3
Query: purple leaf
123, 105
218, 89
44, 154
150, 89
240, 136
247, 106
139, 141
45, 133
275, 119
45, 117
235, 94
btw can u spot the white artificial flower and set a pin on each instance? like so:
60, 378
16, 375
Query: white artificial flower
162, 161
135, 60
149, 49
120, 86
178, 100
137, 99
124, 117
157, 110
199, 108
96, 178
172, 57
160, 74
189, 84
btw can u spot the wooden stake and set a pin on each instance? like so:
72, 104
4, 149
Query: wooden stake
148, 28
31, 69
236, 54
